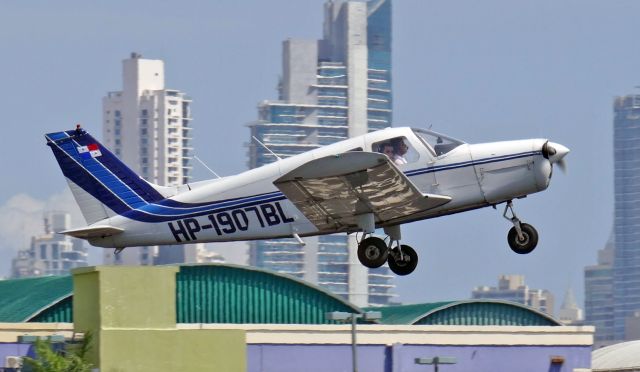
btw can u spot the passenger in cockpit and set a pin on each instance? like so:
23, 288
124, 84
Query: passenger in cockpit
400, 149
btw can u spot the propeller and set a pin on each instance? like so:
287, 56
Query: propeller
555, 152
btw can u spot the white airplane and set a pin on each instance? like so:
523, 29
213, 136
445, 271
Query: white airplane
381, 179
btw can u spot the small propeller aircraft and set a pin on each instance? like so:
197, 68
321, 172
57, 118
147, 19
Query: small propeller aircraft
381, 179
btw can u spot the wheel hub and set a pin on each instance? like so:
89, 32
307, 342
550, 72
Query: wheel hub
372, 252
525, 239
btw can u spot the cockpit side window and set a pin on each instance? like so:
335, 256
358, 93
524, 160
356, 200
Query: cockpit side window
398, 149
439, 143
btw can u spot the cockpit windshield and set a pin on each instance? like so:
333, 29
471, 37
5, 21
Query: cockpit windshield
438, 143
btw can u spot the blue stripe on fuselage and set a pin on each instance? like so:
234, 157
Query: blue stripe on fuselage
166, 210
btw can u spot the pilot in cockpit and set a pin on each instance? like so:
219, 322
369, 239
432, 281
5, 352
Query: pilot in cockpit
400, 149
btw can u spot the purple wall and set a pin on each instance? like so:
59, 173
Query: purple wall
14, 349
400, 358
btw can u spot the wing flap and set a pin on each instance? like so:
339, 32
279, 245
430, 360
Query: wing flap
333, 190
93, 232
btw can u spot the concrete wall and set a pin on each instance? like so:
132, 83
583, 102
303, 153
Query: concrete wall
393, 348
400, 358
131, 312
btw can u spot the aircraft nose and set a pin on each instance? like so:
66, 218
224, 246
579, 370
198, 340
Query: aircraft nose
556, 151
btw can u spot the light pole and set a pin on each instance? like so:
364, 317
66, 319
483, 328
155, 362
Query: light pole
436, 361
340, 316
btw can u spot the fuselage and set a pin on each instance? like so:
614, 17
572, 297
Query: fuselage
249, 206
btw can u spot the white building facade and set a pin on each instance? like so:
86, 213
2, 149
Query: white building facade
148, 127
50, 253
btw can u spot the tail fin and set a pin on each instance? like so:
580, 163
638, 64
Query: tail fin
102, 185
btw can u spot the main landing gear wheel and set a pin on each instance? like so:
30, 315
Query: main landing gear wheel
527, 243
405, 263
372, 252
522, 237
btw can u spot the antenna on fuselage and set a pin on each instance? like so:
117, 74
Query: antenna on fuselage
210, 170
266, 148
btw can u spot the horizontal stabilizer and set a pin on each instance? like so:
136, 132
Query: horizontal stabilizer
93, 232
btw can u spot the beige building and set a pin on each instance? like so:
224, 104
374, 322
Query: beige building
513, 288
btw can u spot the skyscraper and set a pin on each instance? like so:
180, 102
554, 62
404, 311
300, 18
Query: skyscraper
148, 127
331, 89
598, 295
626, 263
570, 313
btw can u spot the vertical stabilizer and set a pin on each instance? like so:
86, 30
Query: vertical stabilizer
102, 185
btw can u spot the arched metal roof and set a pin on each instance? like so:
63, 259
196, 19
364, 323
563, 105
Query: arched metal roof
22, 299
624, 356
222, 293
211, 293
470, 312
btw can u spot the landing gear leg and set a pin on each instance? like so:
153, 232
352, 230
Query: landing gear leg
522, 237
118, 250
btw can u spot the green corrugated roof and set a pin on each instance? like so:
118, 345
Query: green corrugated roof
220, 293
21, 299
242, 294
471, 312
212, 293
406, 314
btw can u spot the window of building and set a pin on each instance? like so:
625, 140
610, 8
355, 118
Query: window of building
55, 251
117, 142
144, 112
116, 113
143, 131
43, 251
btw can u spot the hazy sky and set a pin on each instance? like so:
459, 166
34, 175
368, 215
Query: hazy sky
477, 70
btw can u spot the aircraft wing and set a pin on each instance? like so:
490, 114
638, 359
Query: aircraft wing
333, 190
93, 232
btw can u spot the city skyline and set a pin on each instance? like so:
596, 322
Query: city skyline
330, 89
478, 72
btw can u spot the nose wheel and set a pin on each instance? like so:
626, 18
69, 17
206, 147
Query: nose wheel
522, 237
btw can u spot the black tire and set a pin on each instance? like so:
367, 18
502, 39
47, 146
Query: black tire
526, 245
372, 252
406, 266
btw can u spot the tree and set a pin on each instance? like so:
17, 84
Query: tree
70, 358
